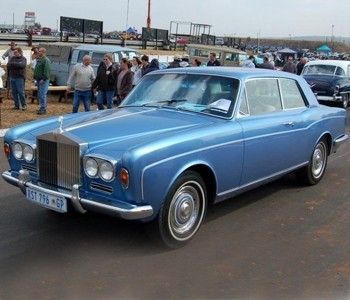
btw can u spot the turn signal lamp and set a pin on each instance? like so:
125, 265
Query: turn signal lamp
124, 178
7, 149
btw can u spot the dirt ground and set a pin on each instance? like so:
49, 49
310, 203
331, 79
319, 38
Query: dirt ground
10, 117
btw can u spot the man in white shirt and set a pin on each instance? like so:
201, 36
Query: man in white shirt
83, 76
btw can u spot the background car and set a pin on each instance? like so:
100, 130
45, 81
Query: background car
329, 80
182, 139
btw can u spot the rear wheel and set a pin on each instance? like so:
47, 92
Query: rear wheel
183, 210
314, 171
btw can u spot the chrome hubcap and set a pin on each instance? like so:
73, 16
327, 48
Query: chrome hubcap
186, 210
318, 160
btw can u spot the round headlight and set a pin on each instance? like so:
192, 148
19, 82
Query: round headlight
91, 167
17, 150
106, 171
28, 153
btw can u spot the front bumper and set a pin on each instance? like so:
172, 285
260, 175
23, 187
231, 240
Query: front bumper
80, 204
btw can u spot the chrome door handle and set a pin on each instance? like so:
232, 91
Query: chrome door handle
289, 124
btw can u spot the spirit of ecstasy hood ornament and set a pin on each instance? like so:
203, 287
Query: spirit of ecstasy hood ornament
60, 124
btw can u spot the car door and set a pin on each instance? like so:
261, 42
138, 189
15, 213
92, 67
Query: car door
273, 128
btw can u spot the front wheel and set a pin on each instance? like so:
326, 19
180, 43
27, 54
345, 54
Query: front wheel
314, 171
183, 210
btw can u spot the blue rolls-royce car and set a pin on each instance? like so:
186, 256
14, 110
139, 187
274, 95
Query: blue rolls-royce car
182, 139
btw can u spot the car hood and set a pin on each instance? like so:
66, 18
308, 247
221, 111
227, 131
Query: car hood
126, 127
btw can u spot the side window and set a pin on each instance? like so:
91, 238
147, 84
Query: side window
263, 96
340, 72
292, 98
97, 57
243, 108
81, 55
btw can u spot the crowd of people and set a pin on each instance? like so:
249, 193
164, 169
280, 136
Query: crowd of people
112, 83
291, 65
16, 75
109, 87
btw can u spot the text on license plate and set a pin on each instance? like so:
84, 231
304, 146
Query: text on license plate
56, 203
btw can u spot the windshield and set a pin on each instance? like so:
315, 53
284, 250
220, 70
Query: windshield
319, 70
198, 93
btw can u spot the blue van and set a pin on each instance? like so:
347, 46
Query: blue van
64, 56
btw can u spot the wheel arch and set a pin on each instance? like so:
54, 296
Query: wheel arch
208, 177
328, 138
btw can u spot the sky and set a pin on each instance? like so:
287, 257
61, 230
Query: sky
244, 18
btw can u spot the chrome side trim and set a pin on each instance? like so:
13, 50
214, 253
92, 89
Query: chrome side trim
81, 204
339, 141
258, 182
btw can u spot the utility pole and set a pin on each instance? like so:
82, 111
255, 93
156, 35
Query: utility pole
149, 15
127, 16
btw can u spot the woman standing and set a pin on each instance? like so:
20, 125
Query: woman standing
137, 70
105, 82
124, 80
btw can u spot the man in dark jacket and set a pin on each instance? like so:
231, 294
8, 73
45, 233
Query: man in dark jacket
153, 66
213, 62
175, 63
16, 68
105, 82
290, 67
300, 65
266, 64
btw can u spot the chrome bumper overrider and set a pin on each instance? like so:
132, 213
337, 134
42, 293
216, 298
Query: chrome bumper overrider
338, 141
81, 204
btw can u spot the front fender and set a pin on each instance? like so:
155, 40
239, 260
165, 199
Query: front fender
158, 178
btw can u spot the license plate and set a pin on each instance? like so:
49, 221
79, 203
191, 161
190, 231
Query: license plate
56, 203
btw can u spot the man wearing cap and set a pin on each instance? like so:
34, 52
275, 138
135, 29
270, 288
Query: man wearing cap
10, 51
175, 63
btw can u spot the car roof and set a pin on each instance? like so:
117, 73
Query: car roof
104, 48
330, 62
234, 72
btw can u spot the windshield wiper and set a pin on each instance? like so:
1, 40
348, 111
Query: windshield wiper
160, 103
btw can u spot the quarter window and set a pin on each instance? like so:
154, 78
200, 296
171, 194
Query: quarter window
292, 98
340, 72
81, 55
263, 96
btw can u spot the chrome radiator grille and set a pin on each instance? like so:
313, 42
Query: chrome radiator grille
58, 163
